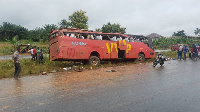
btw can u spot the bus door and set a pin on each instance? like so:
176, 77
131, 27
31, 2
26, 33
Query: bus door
122, 47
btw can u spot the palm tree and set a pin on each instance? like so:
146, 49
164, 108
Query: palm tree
197, 31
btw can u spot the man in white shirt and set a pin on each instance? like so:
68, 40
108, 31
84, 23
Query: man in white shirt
32, 54
180, 49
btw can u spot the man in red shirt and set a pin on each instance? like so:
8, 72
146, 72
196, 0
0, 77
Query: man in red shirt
35, 53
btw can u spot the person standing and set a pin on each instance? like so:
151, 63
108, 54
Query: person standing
38, 54
32, 54
16, 63
35, 53
194, 49
180, 52
185, 51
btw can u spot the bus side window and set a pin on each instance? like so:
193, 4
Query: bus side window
114, 38
73, 36
60, 34
126, 39
92, 37
120, 38
131, 39
88, 37
99, 37
81, 36
77, 35
56, 34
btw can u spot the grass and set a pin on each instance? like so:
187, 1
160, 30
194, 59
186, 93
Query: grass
173, 54
30, 67
170, 54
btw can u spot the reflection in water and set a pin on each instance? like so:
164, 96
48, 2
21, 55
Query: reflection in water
160, 68
18, 87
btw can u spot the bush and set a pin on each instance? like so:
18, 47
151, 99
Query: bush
6, 50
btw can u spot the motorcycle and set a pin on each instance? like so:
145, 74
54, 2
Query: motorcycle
159, 59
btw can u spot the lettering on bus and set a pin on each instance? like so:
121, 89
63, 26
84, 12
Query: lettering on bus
79, 43
110, 48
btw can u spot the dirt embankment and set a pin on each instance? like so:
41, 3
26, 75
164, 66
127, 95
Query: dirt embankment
99, 73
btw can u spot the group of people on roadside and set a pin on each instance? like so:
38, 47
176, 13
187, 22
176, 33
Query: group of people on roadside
192, 52
37, 54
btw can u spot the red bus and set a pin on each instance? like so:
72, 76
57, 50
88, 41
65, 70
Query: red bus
88, 46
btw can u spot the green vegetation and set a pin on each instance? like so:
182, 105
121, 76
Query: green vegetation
6, 50
77, 20
179, 33
171, 54
30, 67
112, 28
165, 43
197, 31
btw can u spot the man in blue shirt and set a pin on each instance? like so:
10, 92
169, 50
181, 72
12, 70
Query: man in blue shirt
185, 51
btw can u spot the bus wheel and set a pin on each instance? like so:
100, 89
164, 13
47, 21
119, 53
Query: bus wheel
140, 57
94, 60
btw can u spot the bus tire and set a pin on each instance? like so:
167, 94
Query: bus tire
141, 57
94, 60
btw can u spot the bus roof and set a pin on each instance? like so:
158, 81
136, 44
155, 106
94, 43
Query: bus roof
76, 30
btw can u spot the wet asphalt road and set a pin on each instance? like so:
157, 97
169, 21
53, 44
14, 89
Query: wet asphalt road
10, 57
175, 87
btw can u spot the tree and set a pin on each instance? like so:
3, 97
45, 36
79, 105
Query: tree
112, 28
77, 20
35, 34
179, 33
9, 30
98, 30
64, 24
47, 30
197, 31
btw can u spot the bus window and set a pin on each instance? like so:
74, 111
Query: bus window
113, 38
73, 36
126, 39
119, 38
98, 37
105, 37
66, 34
77, 35
88, 37
131, 39
92, 37
54, 34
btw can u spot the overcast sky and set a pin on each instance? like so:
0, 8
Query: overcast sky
138, 16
